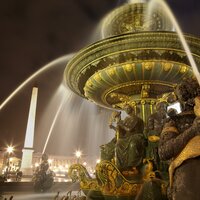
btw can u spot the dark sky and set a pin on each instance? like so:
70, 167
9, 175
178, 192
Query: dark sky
33, 33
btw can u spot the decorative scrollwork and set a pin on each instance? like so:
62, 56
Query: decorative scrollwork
112, 181
78, 172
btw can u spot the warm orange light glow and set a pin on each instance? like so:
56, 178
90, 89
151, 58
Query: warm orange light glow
10, 149
78, 154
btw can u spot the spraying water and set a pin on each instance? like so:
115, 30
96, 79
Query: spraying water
43, 69
153, 5
63, 101
78, 124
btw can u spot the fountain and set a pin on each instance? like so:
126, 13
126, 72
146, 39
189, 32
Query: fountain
142, 57
136, 68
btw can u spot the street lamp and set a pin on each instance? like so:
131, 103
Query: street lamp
78, 155
9, 151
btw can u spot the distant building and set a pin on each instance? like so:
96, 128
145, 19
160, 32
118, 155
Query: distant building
9, 164
1, 161
61, 164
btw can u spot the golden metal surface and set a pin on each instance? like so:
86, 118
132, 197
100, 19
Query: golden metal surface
191, 150
108, 176
153, 138
79, 173
131, 18
197, 106
170, 129
117, 64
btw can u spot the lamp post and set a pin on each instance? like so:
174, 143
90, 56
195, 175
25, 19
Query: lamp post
78, 155
9, 151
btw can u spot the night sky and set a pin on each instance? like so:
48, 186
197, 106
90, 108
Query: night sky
34, 33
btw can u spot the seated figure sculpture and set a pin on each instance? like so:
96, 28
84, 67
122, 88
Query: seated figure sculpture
180, 144
130, 146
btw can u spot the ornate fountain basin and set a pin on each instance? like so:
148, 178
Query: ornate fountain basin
127, 63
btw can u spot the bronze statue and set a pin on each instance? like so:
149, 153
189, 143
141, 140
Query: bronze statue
130, 144
154, 128
43, 177
108, 150
156, 120
180, 144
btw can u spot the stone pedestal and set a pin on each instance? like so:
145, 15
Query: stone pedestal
26, 165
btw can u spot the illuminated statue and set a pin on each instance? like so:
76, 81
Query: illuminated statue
108, 150
154, 129
156, 120
180, 143
43, 177
130, 144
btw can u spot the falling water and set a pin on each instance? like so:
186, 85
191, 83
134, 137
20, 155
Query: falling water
62, 129
151, 6
43, 69
63, 101
78, 124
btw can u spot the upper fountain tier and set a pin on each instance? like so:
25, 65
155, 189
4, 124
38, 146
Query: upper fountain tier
133, 17
131, 63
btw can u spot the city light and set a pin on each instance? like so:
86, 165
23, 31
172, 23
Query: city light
98, 161
78, 154
67, 166
50, 161
10, 149
36, 164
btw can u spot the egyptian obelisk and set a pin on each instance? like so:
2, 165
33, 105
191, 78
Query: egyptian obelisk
27, 152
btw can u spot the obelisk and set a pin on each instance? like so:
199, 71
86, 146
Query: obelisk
27, 152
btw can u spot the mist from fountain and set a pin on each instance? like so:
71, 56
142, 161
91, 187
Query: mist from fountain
74, 124
63, 101
152, 5
84, 128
